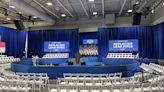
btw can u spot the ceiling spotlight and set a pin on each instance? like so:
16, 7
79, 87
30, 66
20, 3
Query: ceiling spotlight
137, 3
152, 11
34, 17
11, 6
63, 15
49, 3
91, 0
94, 13
130, 11
8, 18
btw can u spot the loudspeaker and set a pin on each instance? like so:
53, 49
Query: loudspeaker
19, 24
136, 18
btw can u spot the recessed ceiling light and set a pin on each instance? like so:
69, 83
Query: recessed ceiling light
94, 13
49, 3
63, 15
130, 11
91, 0
11, 6
34, 17
8, 18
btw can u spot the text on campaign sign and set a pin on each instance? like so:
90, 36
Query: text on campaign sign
90, 41
62, 46
123, 45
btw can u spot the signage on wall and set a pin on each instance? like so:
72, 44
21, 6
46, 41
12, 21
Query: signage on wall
130, 45
2, 47
56, 46
90, 41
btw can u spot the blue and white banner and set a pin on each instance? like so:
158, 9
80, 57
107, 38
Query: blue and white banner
123, 45
90, 41
56, 46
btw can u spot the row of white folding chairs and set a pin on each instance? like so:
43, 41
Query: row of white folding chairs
33, 83
41, 76
157, 68
144, 87
109, 82
144, 77
56, 55
2, 61
147, 68
91, 76
8, 86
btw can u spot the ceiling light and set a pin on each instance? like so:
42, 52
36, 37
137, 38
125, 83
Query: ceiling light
49, 3
34, 17
8, 18
130, 11
63, 15
152, 11
94, 13
11, 6
91, 0
163, 3
137, 3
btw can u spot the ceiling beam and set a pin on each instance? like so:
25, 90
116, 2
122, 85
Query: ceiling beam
142, 6
84, 8
122, 7
103, 8
47, 9
65, 8
21, 4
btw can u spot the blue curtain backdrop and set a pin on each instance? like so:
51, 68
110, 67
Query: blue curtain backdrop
144, 34
15, 41
36, 40
87, 35
159, 40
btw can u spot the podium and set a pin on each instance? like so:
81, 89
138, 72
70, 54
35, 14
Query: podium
77, 59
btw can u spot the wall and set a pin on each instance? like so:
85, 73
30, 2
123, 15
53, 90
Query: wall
93, 24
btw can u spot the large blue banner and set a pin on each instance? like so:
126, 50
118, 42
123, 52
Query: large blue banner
56, 46
123, 45
90, 41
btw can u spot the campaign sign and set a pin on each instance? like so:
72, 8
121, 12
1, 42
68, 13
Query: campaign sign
123, 45
90, 41
2, 47
56, 46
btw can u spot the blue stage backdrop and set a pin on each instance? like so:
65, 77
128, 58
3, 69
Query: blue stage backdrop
15, 41
37, 38
87, 35
144, 34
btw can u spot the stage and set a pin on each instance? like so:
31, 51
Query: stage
127, 66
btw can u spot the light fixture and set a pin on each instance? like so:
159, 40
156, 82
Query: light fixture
91, 0
34, 17
49, 3
11, 6
152, 11
130, 11
63, 15
94, 13
137, 3
8, 18
163, 3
